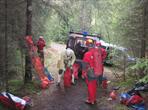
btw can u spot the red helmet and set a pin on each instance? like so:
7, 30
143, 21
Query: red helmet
98, 44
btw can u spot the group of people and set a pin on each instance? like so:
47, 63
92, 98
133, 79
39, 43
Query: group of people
92, 68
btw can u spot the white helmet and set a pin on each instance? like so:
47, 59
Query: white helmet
41, 37
68, 52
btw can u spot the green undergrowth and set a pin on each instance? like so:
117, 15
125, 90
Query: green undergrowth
17, 87
120, 107
128, 83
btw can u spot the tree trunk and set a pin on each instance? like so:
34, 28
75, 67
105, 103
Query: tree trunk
28, 67
85, 17
143, 38
6, 49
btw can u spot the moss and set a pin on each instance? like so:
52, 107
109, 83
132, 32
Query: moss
14, 86
17, 87
32, 87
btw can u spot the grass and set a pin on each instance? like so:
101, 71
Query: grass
120, 107
14, 85
129, 83
17, 87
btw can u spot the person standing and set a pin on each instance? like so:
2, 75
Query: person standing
92, 71
40, 45
65, 65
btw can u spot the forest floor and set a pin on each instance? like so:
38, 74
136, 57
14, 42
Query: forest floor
73, 98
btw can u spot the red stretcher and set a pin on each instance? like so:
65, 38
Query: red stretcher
13, 102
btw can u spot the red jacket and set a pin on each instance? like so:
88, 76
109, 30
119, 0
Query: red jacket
41, 44
94, 58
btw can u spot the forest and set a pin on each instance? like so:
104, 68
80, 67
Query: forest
123, 23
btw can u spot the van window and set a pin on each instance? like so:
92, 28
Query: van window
70, 43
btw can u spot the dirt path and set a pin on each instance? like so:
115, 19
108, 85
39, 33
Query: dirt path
59, 98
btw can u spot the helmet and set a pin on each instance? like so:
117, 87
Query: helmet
68, 52
89, 43
41, 37
98, 44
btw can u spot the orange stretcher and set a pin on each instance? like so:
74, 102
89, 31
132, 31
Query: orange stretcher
36, 62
